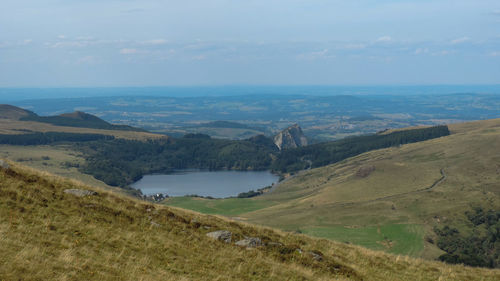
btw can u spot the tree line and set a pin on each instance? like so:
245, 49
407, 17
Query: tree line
322, 154
50, 138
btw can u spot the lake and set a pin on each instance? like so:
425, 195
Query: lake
218, 184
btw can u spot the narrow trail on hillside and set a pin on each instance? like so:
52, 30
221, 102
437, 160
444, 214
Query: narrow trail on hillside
429, 188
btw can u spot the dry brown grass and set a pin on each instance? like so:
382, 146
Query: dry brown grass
14, 127
46, 234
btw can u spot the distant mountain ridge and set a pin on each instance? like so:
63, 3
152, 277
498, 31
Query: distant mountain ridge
291, 137
11, 112
74, 119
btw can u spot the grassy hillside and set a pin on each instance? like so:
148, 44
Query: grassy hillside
21, 127
15, 120
389, 199
79, 119
221, 130
13, 112
48, 234
60, 160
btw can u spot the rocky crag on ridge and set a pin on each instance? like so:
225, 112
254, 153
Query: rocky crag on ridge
290, 137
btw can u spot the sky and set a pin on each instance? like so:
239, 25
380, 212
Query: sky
109, 43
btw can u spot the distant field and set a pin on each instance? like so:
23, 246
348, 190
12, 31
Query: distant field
227, 207
219, 133
405, 239
393, 238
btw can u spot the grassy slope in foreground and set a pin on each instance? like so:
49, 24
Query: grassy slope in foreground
388, 207
46, 234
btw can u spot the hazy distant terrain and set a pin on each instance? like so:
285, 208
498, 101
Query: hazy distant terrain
322, 116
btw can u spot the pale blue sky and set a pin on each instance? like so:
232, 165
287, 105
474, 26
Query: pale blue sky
61, 43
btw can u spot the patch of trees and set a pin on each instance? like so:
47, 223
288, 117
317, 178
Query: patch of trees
253, 193
50, 137
121, 162
322, 154
481, 247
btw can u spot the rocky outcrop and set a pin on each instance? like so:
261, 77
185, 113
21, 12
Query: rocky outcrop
4, 165
250, 242
221, 235
365, 171
315, 255
290, 137
80, 192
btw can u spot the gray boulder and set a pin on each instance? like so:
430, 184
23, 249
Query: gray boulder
4, 164
250, 242
221, 235
315, 256
80, 192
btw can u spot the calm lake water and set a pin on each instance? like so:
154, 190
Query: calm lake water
217, 184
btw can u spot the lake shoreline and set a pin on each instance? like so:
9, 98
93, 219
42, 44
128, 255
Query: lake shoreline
205, 183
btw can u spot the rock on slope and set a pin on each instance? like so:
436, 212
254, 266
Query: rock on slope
290, 137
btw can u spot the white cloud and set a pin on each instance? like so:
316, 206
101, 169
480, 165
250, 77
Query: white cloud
354, 46
61, 36
26, 42
384, 39
323, 54
87, 60
200, 57
443, 53
154, 42
85, 38
63, 44
135, 10
420, 51
460, 40
128, 51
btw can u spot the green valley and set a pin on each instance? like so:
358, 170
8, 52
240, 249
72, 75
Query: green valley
392, 198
